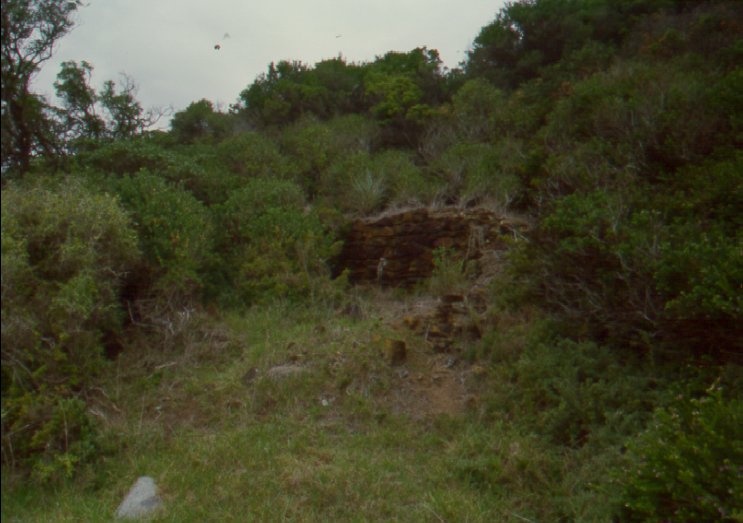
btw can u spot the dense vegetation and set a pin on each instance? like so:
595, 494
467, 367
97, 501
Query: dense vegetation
615, 126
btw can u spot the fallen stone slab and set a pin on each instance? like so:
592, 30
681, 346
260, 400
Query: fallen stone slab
141, 501
285, 371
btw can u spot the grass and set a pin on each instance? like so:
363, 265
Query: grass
271, 450
226, 441
221, 450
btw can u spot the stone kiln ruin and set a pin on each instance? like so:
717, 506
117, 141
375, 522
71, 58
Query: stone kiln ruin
398, 249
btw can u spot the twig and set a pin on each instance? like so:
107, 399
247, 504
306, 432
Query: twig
166, 365
425, 505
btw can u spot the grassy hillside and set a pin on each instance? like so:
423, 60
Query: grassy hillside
172, 305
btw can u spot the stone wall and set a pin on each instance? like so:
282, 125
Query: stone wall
397, 249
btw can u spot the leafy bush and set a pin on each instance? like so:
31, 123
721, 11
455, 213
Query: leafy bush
576, 394
196, 167
200, 122
353, 133
175, 233
448, 274
362, 184
407, 184
270, 245
309, 145
686, 465
473, 172
127, 157
366, 193
66, 251
317, 149
252, 154
478, 109
650, 267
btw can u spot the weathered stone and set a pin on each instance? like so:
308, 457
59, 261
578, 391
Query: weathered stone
397, 249
142, 500
395, 351
411, 322
250, 376
285, 371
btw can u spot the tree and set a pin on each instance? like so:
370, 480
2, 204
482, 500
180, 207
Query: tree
126, 118
282, 95
30, 28
200, 121
529, 35
89, 115
78, 117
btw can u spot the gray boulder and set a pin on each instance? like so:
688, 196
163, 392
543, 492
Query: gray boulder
141, 501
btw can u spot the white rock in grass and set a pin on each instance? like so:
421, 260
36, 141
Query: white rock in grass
141, 501
285, 371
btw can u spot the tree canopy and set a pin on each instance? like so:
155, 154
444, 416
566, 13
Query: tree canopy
30, 28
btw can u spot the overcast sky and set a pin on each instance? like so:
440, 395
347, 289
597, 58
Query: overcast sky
167, 46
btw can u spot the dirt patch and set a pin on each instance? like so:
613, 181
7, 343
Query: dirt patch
432, 379
429, 385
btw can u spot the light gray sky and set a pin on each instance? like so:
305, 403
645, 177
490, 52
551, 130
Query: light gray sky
167, 46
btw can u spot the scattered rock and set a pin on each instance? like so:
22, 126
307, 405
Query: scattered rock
353, 311
411, 322
394, 351
141, 501
472, 401
285, 371
452, 298
478, 371
451, 319
250, 376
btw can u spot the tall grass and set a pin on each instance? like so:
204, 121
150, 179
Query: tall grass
226, 441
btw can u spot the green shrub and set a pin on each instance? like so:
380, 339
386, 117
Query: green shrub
478, 109
353, 133
448, 274
270, 245
473, 172
198, 168
363, 184
576, 394
200, 122
175, 233
686, 465
252, 154
66, 251
407, 184
651, 267
366, 193
698, 269
309, 146
127, 157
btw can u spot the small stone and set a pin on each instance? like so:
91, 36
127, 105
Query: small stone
285, 371
471, 401
478, 371
452, 298
436, 331
395, 351
141, 501
249, 377
411, 322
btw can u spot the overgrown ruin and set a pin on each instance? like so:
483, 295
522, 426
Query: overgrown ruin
398, 249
